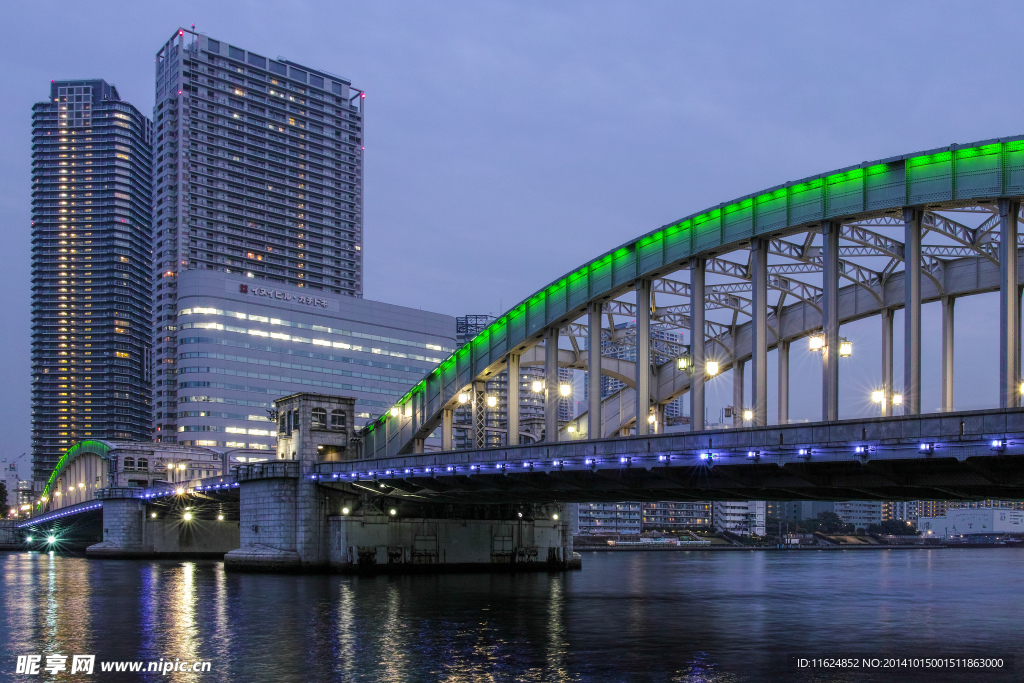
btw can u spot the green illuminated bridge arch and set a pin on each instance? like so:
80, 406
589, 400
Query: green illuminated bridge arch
959, 198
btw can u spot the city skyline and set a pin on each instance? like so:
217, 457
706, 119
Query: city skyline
635, 181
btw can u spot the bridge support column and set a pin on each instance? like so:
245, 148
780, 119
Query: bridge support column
130, 532
551, 395
595, 425
783, 349
697, 276
458, 540
947, 353
447, 421
512, 409
737, 393
124, 521
659, 418
759, 332
643, 356
1009, 306
912, 312
479, 414
887, 388
830, 321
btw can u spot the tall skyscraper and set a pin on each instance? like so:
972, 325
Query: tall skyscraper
259, 167
91, 261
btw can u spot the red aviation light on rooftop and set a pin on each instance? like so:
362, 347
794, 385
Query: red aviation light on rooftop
181, 32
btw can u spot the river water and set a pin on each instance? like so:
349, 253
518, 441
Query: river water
658, 616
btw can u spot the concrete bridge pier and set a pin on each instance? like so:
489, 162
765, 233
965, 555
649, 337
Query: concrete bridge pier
377, 541
290, 522
132, 528
123, 520
282, 520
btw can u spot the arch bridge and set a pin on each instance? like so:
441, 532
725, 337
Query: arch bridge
719, 289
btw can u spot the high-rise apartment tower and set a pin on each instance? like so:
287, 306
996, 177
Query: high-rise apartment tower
258, 172
91, 262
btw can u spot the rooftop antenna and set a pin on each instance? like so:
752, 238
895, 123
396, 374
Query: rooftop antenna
193, 27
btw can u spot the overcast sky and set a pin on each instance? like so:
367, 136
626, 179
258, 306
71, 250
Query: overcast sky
508, 142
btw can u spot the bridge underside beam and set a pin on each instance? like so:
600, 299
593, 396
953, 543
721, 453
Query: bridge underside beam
918, 479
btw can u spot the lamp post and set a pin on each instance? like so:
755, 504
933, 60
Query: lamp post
878, 396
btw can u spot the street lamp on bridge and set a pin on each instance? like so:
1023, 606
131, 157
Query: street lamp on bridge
878, 396
817, 344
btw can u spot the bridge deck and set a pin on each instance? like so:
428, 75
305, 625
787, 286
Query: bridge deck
964, 455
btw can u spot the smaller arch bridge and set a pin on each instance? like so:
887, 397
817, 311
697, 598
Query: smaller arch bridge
82, 470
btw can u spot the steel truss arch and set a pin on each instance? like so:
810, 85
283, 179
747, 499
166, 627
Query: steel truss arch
968, 178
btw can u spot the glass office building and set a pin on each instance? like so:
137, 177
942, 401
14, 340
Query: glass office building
244, 342
258, 172
91, 241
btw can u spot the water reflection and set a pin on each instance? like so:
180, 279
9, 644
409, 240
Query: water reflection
679, 616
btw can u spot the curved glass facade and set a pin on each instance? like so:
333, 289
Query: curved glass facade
91, 261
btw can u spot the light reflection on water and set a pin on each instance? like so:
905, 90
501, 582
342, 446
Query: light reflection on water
672, 616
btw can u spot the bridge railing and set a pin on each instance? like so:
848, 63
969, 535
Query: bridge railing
120, 492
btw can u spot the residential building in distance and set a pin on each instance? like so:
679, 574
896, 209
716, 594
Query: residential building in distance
672, 516
259, 168
91, 261
243, 342
913, 510
860, 513
609, 518
743, 517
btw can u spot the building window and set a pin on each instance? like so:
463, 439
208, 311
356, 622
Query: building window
319, 418
129, 463
143, 464
337, 419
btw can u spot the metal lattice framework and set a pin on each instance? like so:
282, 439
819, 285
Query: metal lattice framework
754, 274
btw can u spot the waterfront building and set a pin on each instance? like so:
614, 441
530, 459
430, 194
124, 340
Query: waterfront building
91, 260
242, 343
974, 521
913, 510
609, 518
744, 517
860, 513
672, 516
258, 173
